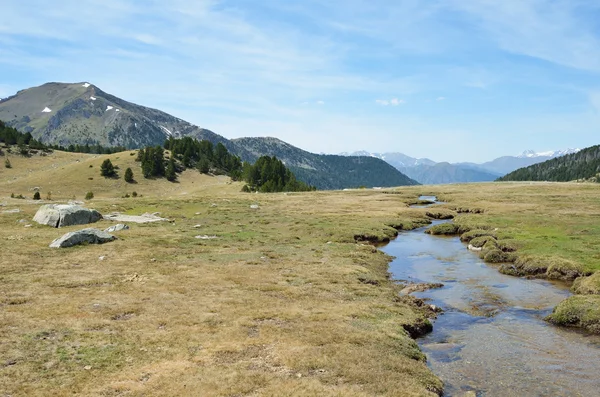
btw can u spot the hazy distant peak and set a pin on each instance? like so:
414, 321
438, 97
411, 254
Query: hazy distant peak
551, 153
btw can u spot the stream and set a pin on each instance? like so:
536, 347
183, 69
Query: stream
491, 338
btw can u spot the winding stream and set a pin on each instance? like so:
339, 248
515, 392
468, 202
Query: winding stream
491, 338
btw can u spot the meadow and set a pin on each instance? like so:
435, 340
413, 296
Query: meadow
289, 298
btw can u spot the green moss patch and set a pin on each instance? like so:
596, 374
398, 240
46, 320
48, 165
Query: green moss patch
443, 229
587, 285
470, 235
581, 311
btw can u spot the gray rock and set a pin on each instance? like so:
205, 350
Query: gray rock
254, 206
59, 215
145, 218
89, 236
116, 228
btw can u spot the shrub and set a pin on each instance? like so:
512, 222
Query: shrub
245, 189
36, 196
7, 163
134, 194
49, 196
89, 195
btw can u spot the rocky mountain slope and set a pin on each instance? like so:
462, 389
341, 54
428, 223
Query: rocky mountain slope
326, 171
81, 113
584, 164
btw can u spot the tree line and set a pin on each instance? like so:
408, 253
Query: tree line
267, 174
584, 164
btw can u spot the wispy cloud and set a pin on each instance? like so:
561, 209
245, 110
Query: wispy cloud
390, 102
243, 68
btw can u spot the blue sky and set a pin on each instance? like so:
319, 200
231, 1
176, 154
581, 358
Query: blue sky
452, 80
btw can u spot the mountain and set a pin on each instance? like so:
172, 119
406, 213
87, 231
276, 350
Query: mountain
326, 171
429, 172
505, 164
393, 158
583, 164
551, 154
446, 173
81, 113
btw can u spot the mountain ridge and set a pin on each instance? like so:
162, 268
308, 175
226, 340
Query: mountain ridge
81, 113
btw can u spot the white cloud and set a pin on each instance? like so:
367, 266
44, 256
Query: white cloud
440, 98
392, 102
320, 102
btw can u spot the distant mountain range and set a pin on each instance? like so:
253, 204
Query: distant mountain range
427, 171
81, 113
581, 165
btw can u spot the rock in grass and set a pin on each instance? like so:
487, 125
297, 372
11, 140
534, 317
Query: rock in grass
84, 236
582, 311
59, 215
116, 228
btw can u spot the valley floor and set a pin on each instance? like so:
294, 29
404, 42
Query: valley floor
284, 301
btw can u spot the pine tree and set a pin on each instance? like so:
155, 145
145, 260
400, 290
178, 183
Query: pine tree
128, 175
170, 171
36, 196
107, 169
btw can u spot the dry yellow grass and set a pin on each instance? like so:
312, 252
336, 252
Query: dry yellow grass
283, 302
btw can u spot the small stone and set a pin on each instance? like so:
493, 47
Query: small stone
87, 367
27, 226
198, 213
101, 258
197, 226
254, 206
298, 375
206, 237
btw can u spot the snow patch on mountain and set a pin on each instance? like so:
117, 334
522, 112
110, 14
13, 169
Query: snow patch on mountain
167, 130
93, 98
46, 110
551, 153
108, 107
86, 85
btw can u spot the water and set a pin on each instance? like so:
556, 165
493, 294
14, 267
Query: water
492, 338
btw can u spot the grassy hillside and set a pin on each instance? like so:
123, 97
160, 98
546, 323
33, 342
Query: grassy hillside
326, 171
584, 164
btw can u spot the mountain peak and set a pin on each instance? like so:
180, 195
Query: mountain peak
551, 153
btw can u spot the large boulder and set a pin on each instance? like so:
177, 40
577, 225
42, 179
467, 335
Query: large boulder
84, 236
59, 215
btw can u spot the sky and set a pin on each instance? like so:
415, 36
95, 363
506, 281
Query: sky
451, 80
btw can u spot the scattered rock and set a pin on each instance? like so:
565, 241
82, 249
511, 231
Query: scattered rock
87, 367
13, 211
27, 226
116, 228
144, 218
84, 236
198, 213
472, 248
205, 237
197, 226
59, 215
101, 258
76, 202
254, 206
